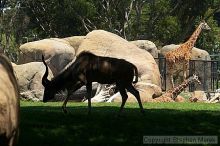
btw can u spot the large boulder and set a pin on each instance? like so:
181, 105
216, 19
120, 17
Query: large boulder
152, 90
148, 46
198, 96
29, 77
57, 52
75, 41
198, 55
104, 43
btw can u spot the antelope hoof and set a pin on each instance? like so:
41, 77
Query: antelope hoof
143, 112
64, 110
119, 115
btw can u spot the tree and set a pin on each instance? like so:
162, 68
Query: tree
161, 21
56, 18
10, 22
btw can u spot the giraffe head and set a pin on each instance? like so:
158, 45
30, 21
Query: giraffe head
205, 26
195, 78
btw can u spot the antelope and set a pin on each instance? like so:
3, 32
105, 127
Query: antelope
88, 68
9, 104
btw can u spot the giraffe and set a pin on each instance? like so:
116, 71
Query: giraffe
174, 92
182, 54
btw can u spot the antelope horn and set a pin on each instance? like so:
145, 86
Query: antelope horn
45, 81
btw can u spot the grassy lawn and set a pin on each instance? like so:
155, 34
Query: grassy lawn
44, 124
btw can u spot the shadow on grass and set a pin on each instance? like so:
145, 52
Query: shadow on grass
49, 126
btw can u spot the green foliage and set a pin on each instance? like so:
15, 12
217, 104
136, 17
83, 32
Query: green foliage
170, 28
12, 46
161, 21
55, 18
210, 40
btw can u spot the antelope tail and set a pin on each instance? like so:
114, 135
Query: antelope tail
135, 75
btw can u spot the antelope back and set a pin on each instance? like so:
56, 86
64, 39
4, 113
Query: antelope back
9, 102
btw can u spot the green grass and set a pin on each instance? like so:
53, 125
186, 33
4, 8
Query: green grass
44, 124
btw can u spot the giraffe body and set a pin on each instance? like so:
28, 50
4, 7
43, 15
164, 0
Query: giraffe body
173, 93
182, 54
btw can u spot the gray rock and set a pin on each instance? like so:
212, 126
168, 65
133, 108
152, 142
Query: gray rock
29, 77
148, 46
57, 52
104, 43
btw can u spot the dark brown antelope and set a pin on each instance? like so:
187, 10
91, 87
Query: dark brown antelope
88, 68
9, 104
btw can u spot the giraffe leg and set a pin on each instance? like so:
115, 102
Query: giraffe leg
184, 72
171, 80
170, 72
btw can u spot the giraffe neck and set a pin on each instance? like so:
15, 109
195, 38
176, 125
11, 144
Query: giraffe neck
192, 40
177, 90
